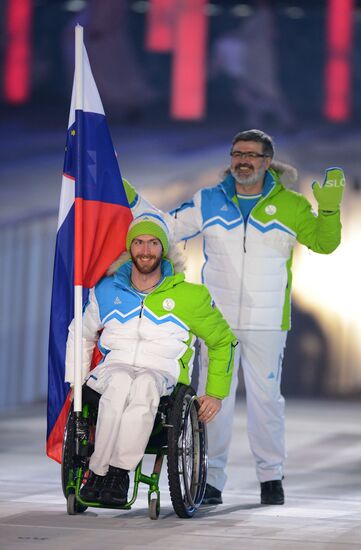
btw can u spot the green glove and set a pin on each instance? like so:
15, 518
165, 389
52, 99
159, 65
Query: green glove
329, 194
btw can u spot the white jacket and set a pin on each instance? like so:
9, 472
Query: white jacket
248, 267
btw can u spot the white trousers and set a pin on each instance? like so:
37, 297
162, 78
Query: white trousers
127, 409
260, 354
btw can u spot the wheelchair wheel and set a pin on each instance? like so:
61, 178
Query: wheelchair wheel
154, 508
187, 454
68, 468
73, 507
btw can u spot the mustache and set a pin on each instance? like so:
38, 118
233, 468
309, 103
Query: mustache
145, 257
243, 165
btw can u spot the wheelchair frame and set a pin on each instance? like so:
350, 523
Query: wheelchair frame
177, 433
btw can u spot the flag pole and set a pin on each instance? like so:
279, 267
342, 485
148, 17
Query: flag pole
78, 238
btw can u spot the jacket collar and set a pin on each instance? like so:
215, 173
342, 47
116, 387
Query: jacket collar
122, 275
270, 183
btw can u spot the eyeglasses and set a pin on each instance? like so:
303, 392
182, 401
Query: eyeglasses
246, 155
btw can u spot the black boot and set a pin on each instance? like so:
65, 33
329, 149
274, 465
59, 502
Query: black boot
91, 489
272, 492
212, 495
115, 487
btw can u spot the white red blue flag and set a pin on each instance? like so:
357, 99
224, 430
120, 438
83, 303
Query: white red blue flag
92, 199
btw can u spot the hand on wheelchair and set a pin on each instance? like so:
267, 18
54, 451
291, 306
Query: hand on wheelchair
209, 407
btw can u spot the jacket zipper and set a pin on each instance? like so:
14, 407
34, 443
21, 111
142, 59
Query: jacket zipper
244, 239
245, 223
244, 249
231, 357
140, 316
242, 278
138, 329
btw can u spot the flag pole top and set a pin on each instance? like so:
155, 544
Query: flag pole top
79, 76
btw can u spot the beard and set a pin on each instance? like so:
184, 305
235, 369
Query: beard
149, 266
247, 180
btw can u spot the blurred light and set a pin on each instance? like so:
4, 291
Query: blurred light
212, 9
338, 71
160, 25
357, 15
242, 10
75, 5
294, 12
327, 286
18, 51
140, 7
321, 280
189, 62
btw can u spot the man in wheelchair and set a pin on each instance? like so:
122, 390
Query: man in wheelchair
148, 318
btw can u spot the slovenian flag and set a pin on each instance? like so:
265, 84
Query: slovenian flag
94, 204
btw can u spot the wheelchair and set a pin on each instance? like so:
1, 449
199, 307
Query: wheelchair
177, 433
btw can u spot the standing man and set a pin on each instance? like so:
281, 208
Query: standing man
250, 223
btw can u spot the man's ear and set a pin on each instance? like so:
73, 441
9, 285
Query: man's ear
268, 162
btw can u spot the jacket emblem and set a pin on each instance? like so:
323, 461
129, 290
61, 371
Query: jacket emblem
168, 304
117, 300
224, 208
270, 209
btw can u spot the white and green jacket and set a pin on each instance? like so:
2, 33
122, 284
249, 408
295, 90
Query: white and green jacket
248, 266
156, 330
